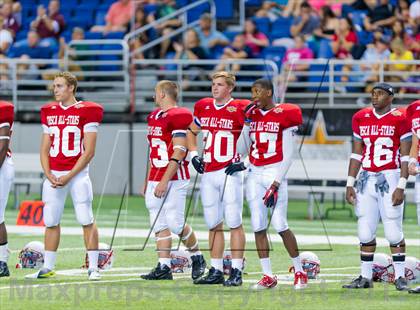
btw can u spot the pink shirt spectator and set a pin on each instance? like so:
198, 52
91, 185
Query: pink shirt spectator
293, 54
318, 4
342, 52
119, 14
255, 49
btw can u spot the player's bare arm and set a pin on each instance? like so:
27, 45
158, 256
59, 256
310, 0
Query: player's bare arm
354, 167
89, 144
180, 150
4, 142
45, 159
398, 194
412, 163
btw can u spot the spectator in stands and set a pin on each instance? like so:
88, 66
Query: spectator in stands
335, 5
290, 69
6, 37
344, 39
237, 50
399, 52
209, 39
16, 9
414, 10
271, 9
165, 8
117, 18
254, 39
325, 32
306, 22
292, 8
398, 31
10, 23
31, 47
380, 16
49, 26
402, 11
143, 38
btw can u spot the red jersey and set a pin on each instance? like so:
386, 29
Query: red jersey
381, 136
6, 117
266, 131
413, 117
66, 127
221, 127
162, 126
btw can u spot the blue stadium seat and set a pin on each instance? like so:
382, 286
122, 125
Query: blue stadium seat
67, 14
280, 28
28, 3
21, 35
68, 4
230, 34
224, 9
195, 13
364, 37
319, 68
114, 35
150, 9
93, 4
83, 12
100, 17
253, 2
79, 21
358, 17
274, 53
39, 52
263, 24
181, 3
67, 35
93, 35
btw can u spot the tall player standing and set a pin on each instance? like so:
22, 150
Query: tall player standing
381, 141
67, 146
220, 119
268, 138
413, 116
168, 178
6, 179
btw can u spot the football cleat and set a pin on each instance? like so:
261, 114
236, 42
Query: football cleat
94, 275
198, 266
359, 282
301, 280
159, 273
235, 278
43, 273
4, 270
265, 283
415, 290
214, 276
401, 284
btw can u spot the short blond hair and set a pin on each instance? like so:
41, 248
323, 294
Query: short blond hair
71, 80
170, 88
230, 79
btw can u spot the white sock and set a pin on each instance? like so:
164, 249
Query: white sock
366, 269
50, 257
4, 253
238, 263
93, 259
266, 266
217, 263
165, 261
297, 264
399, 265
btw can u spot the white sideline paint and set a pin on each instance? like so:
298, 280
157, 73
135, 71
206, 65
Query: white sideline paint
202, 235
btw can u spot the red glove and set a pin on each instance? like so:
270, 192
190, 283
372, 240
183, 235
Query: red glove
271, 195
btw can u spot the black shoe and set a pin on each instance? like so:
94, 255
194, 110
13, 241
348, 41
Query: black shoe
401, 284
359, 282
4, 270
198, 266
235, 278
415, 290
213, 277
159, 273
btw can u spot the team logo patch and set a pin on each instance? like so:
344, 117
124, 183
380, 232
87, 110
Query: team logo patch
207, 107
79, 105
367, 115
278, 110
231, 109
53, 107
396, 113
418, 108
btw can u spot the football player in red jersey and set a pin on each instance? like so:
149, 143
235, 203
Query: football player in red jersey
220, 119
6, 178
413, 116
67, 146
168, 179
268, 138
381, 145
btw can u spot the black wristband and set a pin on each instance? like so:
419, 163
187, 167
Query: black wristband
176, 160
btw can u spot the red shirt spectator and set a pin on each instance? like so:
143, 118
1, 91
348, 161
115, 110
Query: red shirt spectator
344, 39
10, 22
254, 39
51, 25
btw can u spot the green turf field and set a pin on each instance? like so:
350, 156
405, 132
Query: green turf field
122, 288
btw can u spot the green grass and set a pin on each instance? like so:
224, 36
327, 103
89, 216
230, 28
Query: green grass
123, 289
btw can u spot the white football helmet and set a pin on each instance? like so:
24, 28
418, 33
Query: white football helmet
227, 262
412, 269
310, 264
382, 268
181, 260
32, 255
105, 258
